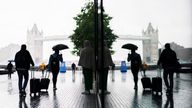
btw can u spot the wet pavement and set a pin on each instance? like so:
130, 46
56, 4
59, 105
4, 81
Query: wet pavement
122, 94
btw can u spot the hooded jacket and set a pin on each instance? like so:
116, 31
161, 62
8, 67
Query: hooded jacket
23, 59
86, 59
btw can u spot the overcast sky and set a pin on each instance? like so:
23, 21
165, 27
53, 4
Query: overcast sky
173, 18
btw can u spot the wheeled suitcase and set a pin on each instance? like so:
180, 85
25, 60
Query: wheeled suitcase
34, 85
45, 82
146, 82
157, 83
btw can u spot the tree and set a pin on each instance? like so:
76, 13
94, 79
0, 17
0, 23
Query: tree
85, 29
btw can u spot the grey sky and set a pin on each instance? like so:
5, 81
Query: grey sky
173, 18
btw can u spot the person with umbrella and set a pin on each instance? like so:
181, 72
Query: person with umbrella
135, 59
54, 60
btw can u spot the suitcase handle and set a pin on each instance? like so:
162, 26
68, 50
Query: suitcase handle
158, 72
142, 74
47, 76
32, 72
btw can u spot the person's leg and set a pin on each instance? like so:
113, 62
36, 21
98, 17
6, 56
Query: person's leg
54, 74
165, 77
42, 73
90, 79
105, 78
171, 73
73, 75
20, 80
10, 73
87, 82
144, 72
26, 78
135, 77
86, 78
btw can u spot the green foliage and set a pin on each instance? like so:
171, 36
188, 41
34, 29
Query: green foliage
85, 29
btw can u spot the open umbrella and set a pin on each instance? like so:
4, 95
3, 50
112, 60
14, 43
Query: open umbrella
60, 47
129, 46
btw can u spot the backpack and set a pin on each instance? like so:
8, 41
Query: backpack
136, 60
54, 63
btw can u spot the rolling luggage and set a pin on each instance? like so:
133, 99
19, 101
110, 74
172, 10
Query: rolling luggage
34, 85
157, 83
146, 82
45, 82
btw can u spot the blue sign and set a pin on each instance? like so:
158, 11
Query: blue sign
123, 66
62, 67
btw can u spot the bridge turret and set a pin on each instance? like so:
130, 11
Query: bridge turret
150, 47
35, 46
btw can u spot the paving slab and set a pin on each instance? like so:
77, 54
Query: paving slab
122, 94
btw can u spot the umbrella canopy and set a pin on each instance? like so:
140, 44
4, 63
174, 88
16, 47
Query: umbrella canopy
130, 46
60, 47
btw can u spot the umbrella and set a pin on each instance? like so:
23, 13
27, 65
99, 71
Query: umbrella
130, 46
60, 47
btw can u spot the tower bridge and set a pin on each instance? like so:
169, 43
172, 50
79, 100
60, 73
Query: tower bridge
149, 40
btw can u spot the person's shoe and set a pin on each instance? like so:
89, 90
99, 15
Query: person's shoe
54, 88
20, 93
24, 93
169, 91
85, 92
135, 87
107, 92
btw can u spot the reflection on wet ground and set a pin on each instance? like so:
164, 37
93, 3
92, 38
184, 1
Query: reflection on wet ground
121, 86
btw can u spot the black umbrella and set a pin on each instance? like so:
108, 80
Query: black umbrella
130, 46
60, 47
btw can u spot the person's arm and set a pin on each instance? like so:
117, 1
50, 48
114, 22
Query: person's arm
30, 59
60, 58
129, 57
49, 63
140, 61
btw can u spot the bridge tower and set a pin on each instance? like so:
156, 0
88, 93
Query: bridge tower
150, 46
35, 46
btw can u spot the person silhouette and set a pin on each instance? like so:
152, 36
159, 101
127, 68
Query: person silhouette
42, 68
54, 60
135, 59
10, 69
86, 60
144, 68
103, 74
168, 60
73, 67
23, 60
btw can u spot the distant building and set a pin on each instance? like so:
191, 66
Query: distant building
183, 54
